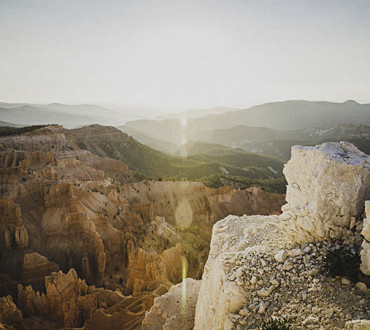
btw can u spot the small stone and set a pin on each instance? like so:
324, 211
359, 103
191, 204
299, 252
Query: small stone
244, 312
329, 313
287, 266
281, 256
266, 292
275, 282
307, 249
315, 309
345, 281
313, 272
262, 307
310, 319
361, 286
295, 252
253, 280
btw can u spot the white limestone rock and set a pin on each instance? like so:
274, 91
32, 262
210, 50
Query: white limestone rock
232, 238
175, 309
365, 252
358, 325
365, 257
281, 256
366, 226
327, 185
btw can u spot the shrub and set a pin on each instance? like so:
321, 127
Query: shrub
283, 323
342, 262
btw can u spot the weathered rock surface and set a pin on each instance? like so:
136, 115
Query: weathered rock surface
68, 301
9, 313
174, 310
243, 283
365, 252
221, 292
35, 268
147, 271
358, 325
13, 234
327, 186
260, 267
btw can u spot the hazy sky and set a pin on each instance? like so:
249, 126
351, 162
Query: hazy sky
181, 54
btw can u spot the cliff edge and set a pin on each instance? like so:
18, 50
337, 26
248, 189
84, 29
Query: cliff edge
273, 266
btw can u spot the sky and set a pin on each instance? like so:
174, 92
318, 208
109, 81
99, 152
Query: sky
184, 54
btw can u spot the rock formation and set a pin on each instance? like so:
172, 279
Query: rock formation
327, 187
13, 234
68, 300
174, 310
147, 271
9, 313
35, 268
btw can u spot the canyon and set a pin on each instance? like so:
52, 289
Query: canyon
86, 242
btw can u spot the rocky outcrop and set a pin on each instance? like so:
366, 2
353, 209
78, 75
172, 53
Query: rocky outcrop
68, 301
327, 187
9, 313
365, 252
35, 268
262, 267
147, 271
222, 291
174, 310
253, 273
13, 234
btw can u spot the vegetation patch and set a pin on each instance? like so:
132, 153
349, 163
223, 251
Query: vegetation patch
283, 323
6, 130
343, 262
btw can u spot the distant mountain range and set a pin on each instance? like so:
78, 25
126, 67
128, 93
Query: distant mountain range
288, 115
69, 116
72, 116
268, 129
277, 143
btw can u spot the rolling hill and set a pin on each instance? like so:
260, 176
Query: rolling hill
278, 143
69, 116
234, 166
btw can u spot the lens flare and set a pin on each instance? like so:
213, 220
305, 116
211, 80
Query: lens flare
184, 265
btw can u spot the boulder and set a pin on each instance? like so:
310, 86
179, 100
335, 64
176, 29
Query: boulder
327, 185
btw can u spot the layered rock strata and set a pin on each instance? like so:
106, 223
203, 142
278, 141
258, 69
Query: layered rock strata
35, 268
